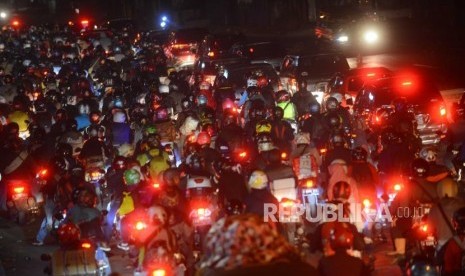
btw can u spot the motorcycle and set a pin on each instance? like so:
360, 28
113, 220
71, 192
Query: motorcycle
21, 204
96, 176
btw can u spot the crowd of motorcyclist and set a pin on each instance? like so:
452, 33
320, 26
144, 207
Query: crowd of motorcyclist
131, 145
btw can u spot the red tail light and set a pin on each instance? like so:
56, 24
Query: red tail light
243, 154
371, 74
211, 54
15, 23
397, 187
251, 50
84, 23
406, 83
322, 151
442, 111
86, 245
140, 225
159, 272
283, 155
156, 185
19, 189
287, 203
43, 172
424, 228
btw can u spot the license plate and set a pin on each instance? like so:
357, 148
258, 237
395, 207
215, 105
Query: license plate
430, 241
314, 192
19, 196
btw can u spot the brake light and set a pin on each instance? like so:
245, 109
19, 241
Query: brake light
15, 23
84, 23
159, 272
406, 83
251, 50
243, 154
86, 245
43, 172
283, 155
211, 54
371, 74
397, 187
19, 189
287, 203
442, 111
322, 151
309, 183
140, 225
156, 185
366, 203
424, 228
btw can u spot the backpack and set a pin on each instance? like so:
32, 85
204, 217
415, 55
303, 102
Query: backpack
127, 204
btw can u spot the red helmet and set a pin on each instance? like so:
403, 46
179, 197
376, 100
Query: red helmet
203, 138
68, 234
283, 96
262, 81
341, 236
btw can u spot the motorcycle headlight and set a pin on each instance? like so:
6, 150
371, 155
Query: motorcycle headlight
342, 39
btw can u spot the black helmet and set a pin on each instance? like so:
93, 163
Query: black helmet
399, 104
359, 154
459, 221
314, 108
278, 113
337, 140
341, 190
420, 168
331, 104
257, 111
119, 163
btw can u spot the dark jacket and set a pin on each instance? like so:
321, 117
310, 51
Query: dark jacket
256, 199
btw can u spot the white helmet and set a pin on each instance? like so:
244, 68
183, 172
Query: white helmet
198, 182
164, 89
252, 82
258, 180
119, 117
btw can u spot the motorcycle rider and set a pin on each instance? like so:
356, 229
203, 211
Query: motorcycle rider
447, 190
315, 125
94, 147
305, 158
303, 98
364, 173
281, 131
333, 107
121, 132
283, 100
259, 195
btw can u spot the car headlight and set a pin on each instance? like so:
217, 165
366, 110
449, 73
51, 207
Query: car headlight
371, 36
342, 38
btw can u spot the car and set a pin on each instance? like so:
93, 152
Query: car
208, 66
182, 47
317, 69
422, 95
261, 52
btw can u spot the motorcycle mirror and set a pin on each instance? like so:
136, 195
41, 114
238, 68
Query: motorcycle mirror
45, 257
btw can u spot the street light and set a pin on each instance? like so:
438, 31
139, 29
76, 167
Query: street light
3, 15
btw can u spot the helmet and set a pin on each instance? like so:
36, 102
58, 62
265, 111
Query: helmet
262, 81
459, 220
126, 150
337, 140
278, 113
341, 190
283, 96
131, 177
84, 109
94, 117
420, 168
447, 187
150, 129
252, 82
263, 127
258, 180
257, 111
68, 234
302, 138
203, 138
359, 154
331, 104
163, 89
264, 143
119, 163
399, 104
119, 117
334, 120
202, 99
341, 237
161, 114
314, 108
158, 215
227, 104
429, 154
93, 130
338, 96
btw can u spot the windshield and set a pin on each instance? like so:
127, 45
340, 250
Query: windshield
323, 65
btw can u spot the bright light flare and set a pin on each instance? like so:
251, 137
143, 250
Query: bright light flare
140, 225
86, 245
18, 190
366, 203
309, 183
397, 187
3, 15
371, 37
159, 272
343, 39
